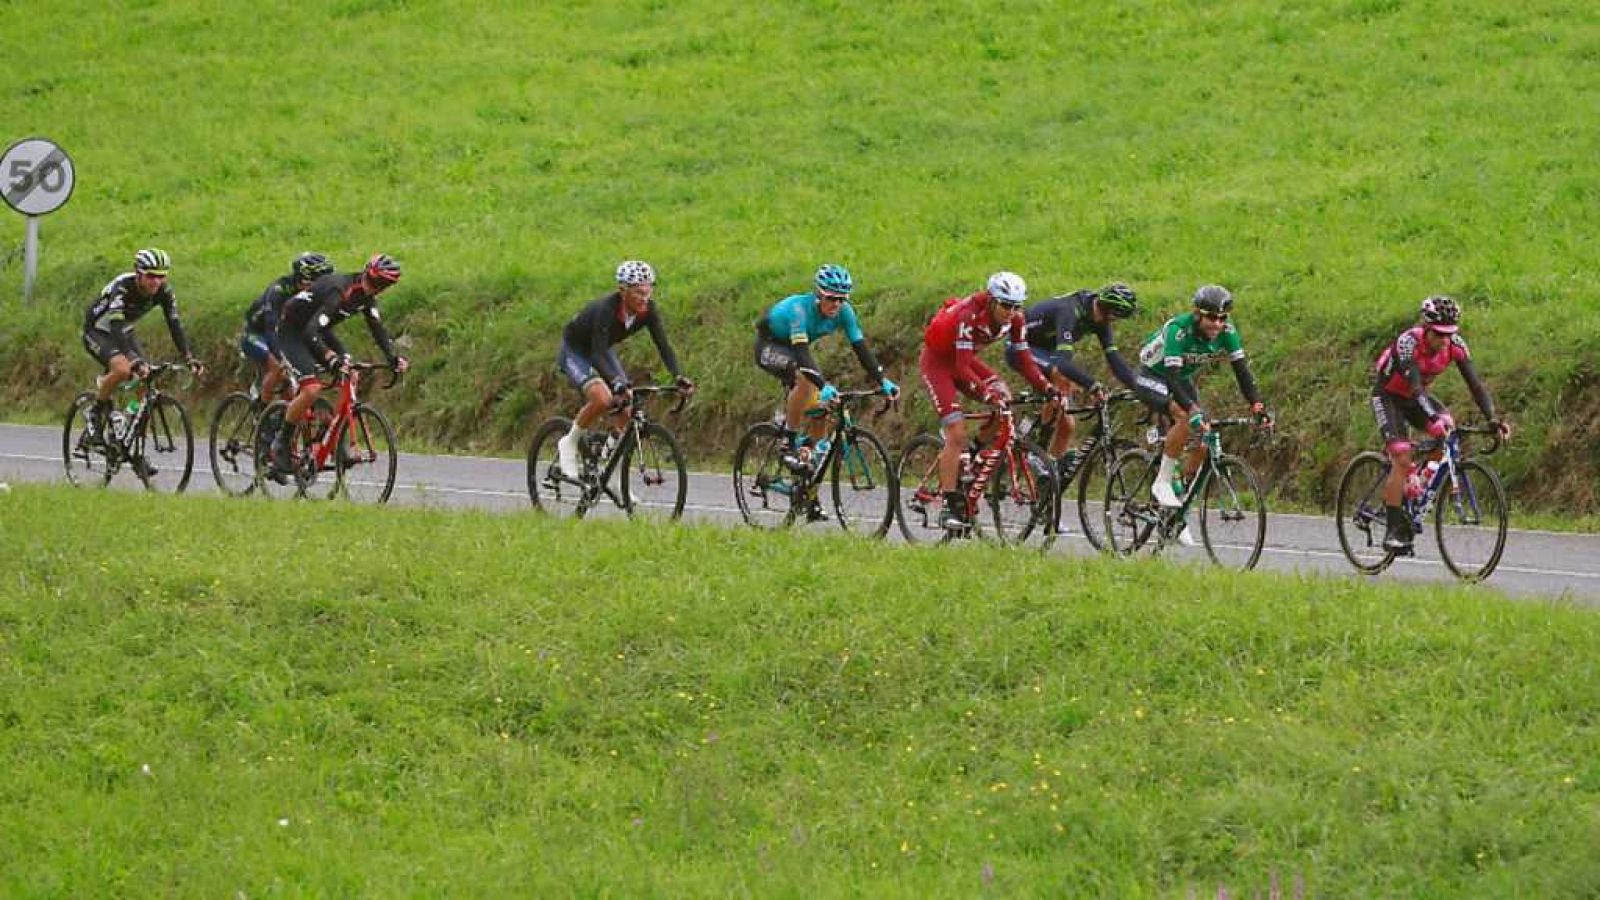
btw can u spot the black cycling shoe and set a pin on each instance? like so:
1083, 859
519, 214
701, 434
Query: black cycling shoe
952, 516
1397, 537
144, 468
282, 469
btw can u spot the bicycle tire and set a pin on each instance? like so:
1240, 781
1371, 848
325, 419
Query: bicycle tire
163, 449
1358, 512
763, 486
1131, 514
1091, 479
269, 483
365, 457
86, 464
917, 490
1021, 501
233, 463
1233, 493
549, 490
1477, 484
660, 487
861, 470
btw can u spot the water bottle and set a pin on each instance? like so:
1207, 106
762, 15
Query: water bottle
1414, 483
118, 423
1153, 436
1428, 470
965, 478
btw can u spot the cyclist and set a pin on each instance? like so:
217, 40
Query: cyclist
950, 367
1054, 329
1404, 371
259, 341
108, 329
307, 344
588, 361
784, 335
1168, 361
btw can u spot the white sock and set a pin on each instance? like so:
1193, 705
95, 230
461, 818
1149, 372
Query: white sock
1165, 472
575, 432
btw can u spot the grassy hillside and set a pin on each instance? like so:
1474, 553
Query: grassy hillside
238, 698
1333, 162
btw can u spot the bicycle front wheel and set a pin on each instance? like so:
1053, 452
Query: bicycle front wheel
84, 456
233, 461
917, 490
863, 484
551, 491
1359, 515
163, 450
365, 458
1022, 495
654, 478
1470, 521
1131, 515
1233, 515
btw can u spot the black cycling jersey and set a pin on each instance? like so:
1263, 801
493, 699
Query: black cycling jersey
604, 322
311, 314
262, 318
121, 304
1061, 322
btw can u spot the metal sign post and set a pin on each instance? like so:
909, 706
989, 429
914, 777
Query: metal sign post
36, 178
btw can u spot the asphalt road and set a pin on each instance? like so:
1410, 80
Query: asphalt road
1537, 564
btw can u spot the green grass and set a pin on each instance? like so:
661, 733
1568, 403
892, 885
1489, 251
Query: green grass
205, 698
1333, 162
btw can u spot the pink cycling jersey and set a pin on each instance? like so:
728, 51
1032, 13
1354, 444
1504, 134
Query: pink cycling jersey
1409, 347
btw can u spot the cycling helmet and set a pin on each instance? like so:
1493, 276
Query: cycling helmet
635, 272
833, 279
1119, 300
383, 269
311, 266
1008, 289
1213, 298
152, 261
1441, 313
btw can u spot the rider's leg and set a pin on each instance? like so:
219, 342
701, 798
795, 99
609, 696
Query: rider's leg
1065, 425
1171, 450
597, 399
271, 379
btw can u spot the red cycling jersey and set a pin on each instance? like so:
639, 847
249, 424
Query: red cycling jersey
950, 345
1394, 365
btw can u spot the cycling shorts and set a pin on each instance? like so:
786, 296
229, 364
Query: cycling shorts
295, 355
579, 369
104, 346
257, 346
776, 358
946, 387
1394, 413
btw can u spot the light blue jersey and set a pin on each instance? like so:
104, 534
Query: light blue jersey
797, 319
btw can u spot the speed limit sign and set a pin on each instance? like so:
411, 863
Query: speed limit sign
35, 177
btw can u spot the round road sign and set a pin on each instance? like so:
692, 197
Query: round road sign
35, 177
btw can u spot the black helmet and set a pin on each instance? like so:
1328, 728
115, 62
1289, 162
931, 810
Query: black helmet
311, 266
1119, 300
1213, 298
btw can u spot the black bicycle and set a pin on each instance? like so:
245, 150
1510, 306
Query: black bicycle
777, 485
1084, 473
1467, 499
149, 433
652, 479
1225, 491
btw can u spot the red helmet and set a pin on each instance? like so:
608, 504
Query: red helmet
383, 269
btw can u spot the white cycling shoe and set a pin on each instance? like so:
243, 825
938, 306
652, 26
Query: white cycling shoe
1164, 494
567, 456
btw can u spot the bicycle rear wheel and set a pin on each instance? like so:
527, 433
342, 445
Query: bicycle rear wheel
85, 459
1131, 515
270, 482
863, 484
550, 490
654, 477
763, 486
917, 490
1091, 490
163, 450
1022, 494
233, 462
1359, 515
1233, 515
365, 458
1470, 521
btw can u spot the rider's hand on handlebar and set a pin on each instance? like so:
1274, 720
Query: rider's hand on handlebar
140, 369
889, 389
401, 364
685, 384
1264, 420
828, 394
1502, 428
1441, 425
621, 393
1098, 395
196, 367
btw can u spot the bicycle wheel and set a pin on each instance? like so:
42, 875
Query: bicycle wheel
162, 454
1470, 521
763, 485
1131, 515
365, 458
233, 462
863, 484
1359, 515
271, 483
1233, 515
917, 490
85, 459
550, 490
1022, 494
653, 475
1091, 490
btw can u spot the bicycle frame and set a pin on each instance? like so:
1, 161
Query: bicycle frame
135, 429
638, 420
842, 421
1449, 463
1170, 519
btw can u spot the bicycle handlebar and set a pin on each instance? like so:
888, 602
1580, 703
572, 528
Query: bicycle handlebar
1495, 442
649, 389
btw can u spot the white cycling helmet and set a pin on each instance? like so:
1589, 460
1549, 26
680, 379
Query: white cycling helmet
1008, 289
635, 271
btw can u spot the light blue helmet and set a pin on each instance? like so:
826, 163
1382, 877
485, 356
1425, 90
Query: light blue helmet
832, 279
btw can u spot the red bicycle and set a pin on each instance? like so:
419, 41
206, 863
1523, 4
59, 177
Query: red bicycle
343, 449
1012, 476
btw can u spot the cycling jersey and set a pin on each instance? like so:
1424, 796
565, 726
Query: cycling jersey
604, 322
964, 325
305, 323
120, 305
1176, 350
785, 332
262, 317
1406, 369
1058, 324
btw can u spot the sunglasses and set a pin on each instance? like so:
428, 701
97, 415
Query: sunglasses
1214, 317
834, 298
